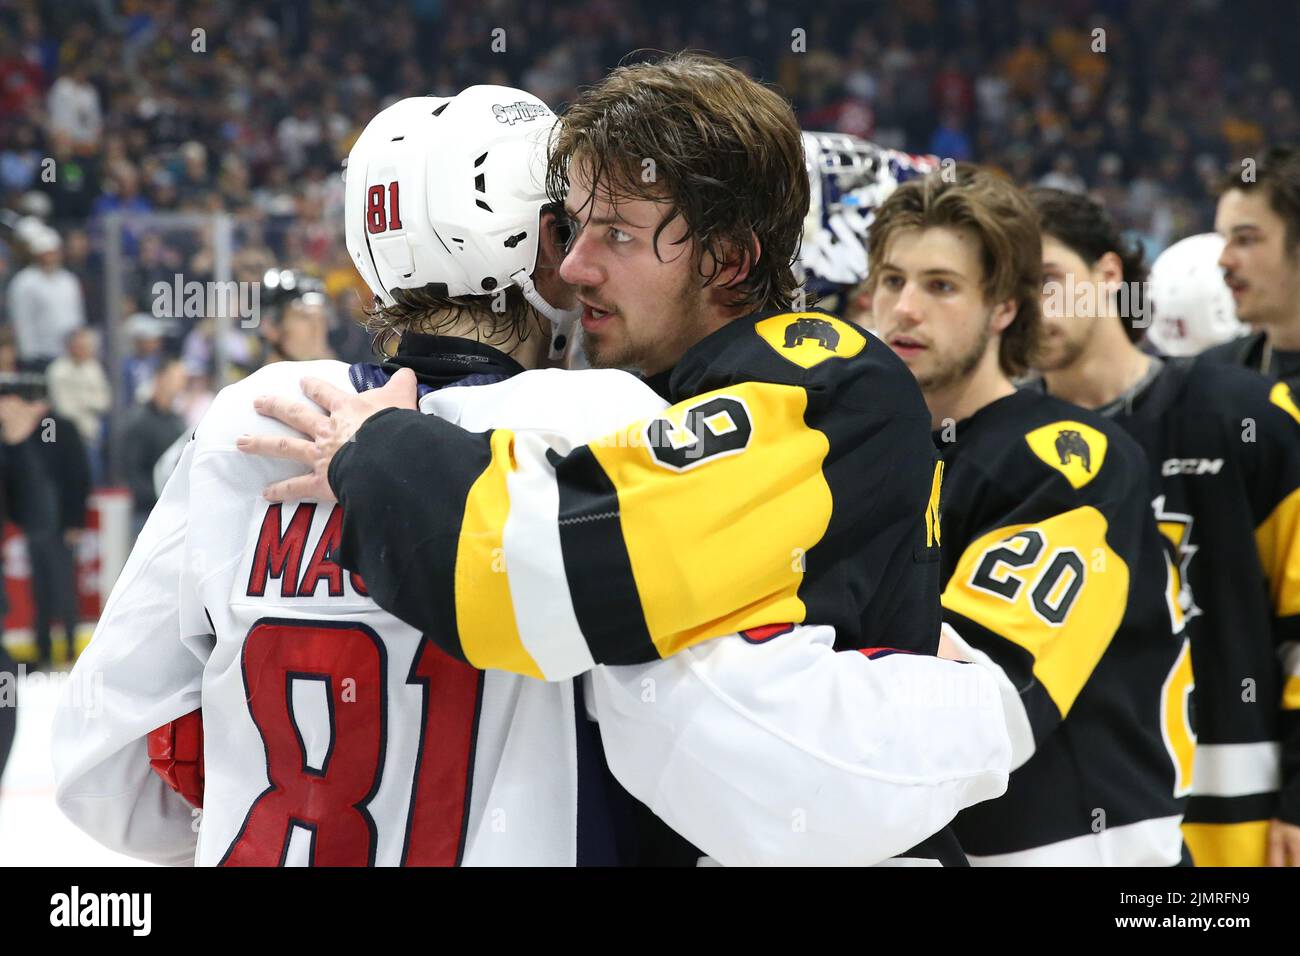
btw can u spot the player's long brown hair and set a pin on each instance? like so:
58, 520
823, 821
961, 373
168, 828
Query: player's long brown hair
723, 149
965, 196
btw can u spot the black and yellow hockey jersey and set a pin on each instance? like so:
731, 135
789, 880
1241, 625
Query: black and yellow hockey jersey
1254, 352
793, 479
1224, 449
1054, 572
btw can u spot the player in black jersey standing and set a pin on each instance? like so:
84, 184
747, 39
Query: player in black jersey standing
1224, 448
1259, 217
1052, 565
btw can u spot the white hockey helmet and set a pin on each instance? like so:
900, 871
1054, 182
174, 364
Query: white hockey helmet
1191, 306
449, 191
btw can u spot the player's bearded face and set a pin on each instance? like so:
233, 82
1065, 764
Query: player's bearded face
1074, 301
928, 304
1263, 275
640, 311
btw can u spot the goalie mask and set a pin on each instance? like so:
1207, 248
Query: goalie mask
448, 192
848, 178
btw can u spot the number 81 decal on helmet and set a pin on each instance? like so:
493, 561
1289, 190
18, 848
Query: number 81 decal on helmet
710, 429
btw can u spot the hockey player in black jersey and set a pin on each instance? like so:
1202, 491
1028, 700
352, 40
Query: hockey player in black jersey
1223, 445
1052, 565
1258, 215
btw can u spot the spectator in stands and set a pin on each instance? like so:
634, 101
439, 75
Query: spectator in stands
152, 428
73, 107
20, 160
139, 368
79, 391
44, 301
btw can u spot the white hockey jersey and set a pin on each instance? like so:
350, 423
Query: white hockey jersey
334, 734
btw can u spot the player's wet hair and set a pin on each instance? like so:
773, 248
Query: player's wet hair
501, 318
721, 148
1277, 172
1085, 227
965, 196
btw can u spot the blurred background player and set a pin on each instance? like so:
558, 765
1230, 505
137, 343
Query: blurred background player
1053, 569
1190, 305
1229, 504
1258, 216
295, 318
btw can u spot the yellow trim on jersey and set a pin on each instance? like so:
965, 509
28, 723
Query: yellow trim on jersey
1176, 719
807, 338
1228, 844
485, 613
1278, 540
932, 532
1074, 449
1064, 654
1291, 693
753, 516
1281, 396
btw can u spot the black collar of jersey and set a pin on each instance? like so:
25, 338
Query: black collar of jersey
441, 360
943, 439
1127, 400
1253, 352
696, 365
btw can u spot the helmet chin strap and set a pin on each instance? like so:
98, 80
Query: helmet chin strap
562, 321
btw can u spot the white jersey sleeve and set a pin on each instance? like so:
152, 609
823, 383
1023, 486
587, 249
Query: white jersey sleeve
144, 666
135, 675
785, 752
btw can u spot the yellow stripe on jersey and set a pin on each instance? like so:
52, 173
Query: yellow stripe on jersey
1064, 653
489, 637
1281, 396
1176, 719
1291, 693
932, 531
1278, 541
753, 517
1228, 844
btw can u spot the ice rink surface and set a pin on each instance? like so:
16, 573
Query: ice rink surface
32, 830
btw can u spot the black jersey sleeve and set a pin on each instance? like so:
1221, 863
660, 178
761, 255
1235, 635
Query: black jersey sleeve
792, 480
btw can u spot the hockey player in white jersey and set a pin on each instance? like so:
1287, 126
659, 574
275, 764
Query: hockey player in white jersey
334, 734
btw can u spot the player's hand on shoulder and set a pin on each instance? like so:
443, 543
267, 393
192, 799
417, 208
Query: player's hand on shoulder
1283, 844
325, 431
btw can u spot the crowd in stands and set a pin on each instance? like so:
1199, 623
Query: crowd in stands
247, 108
